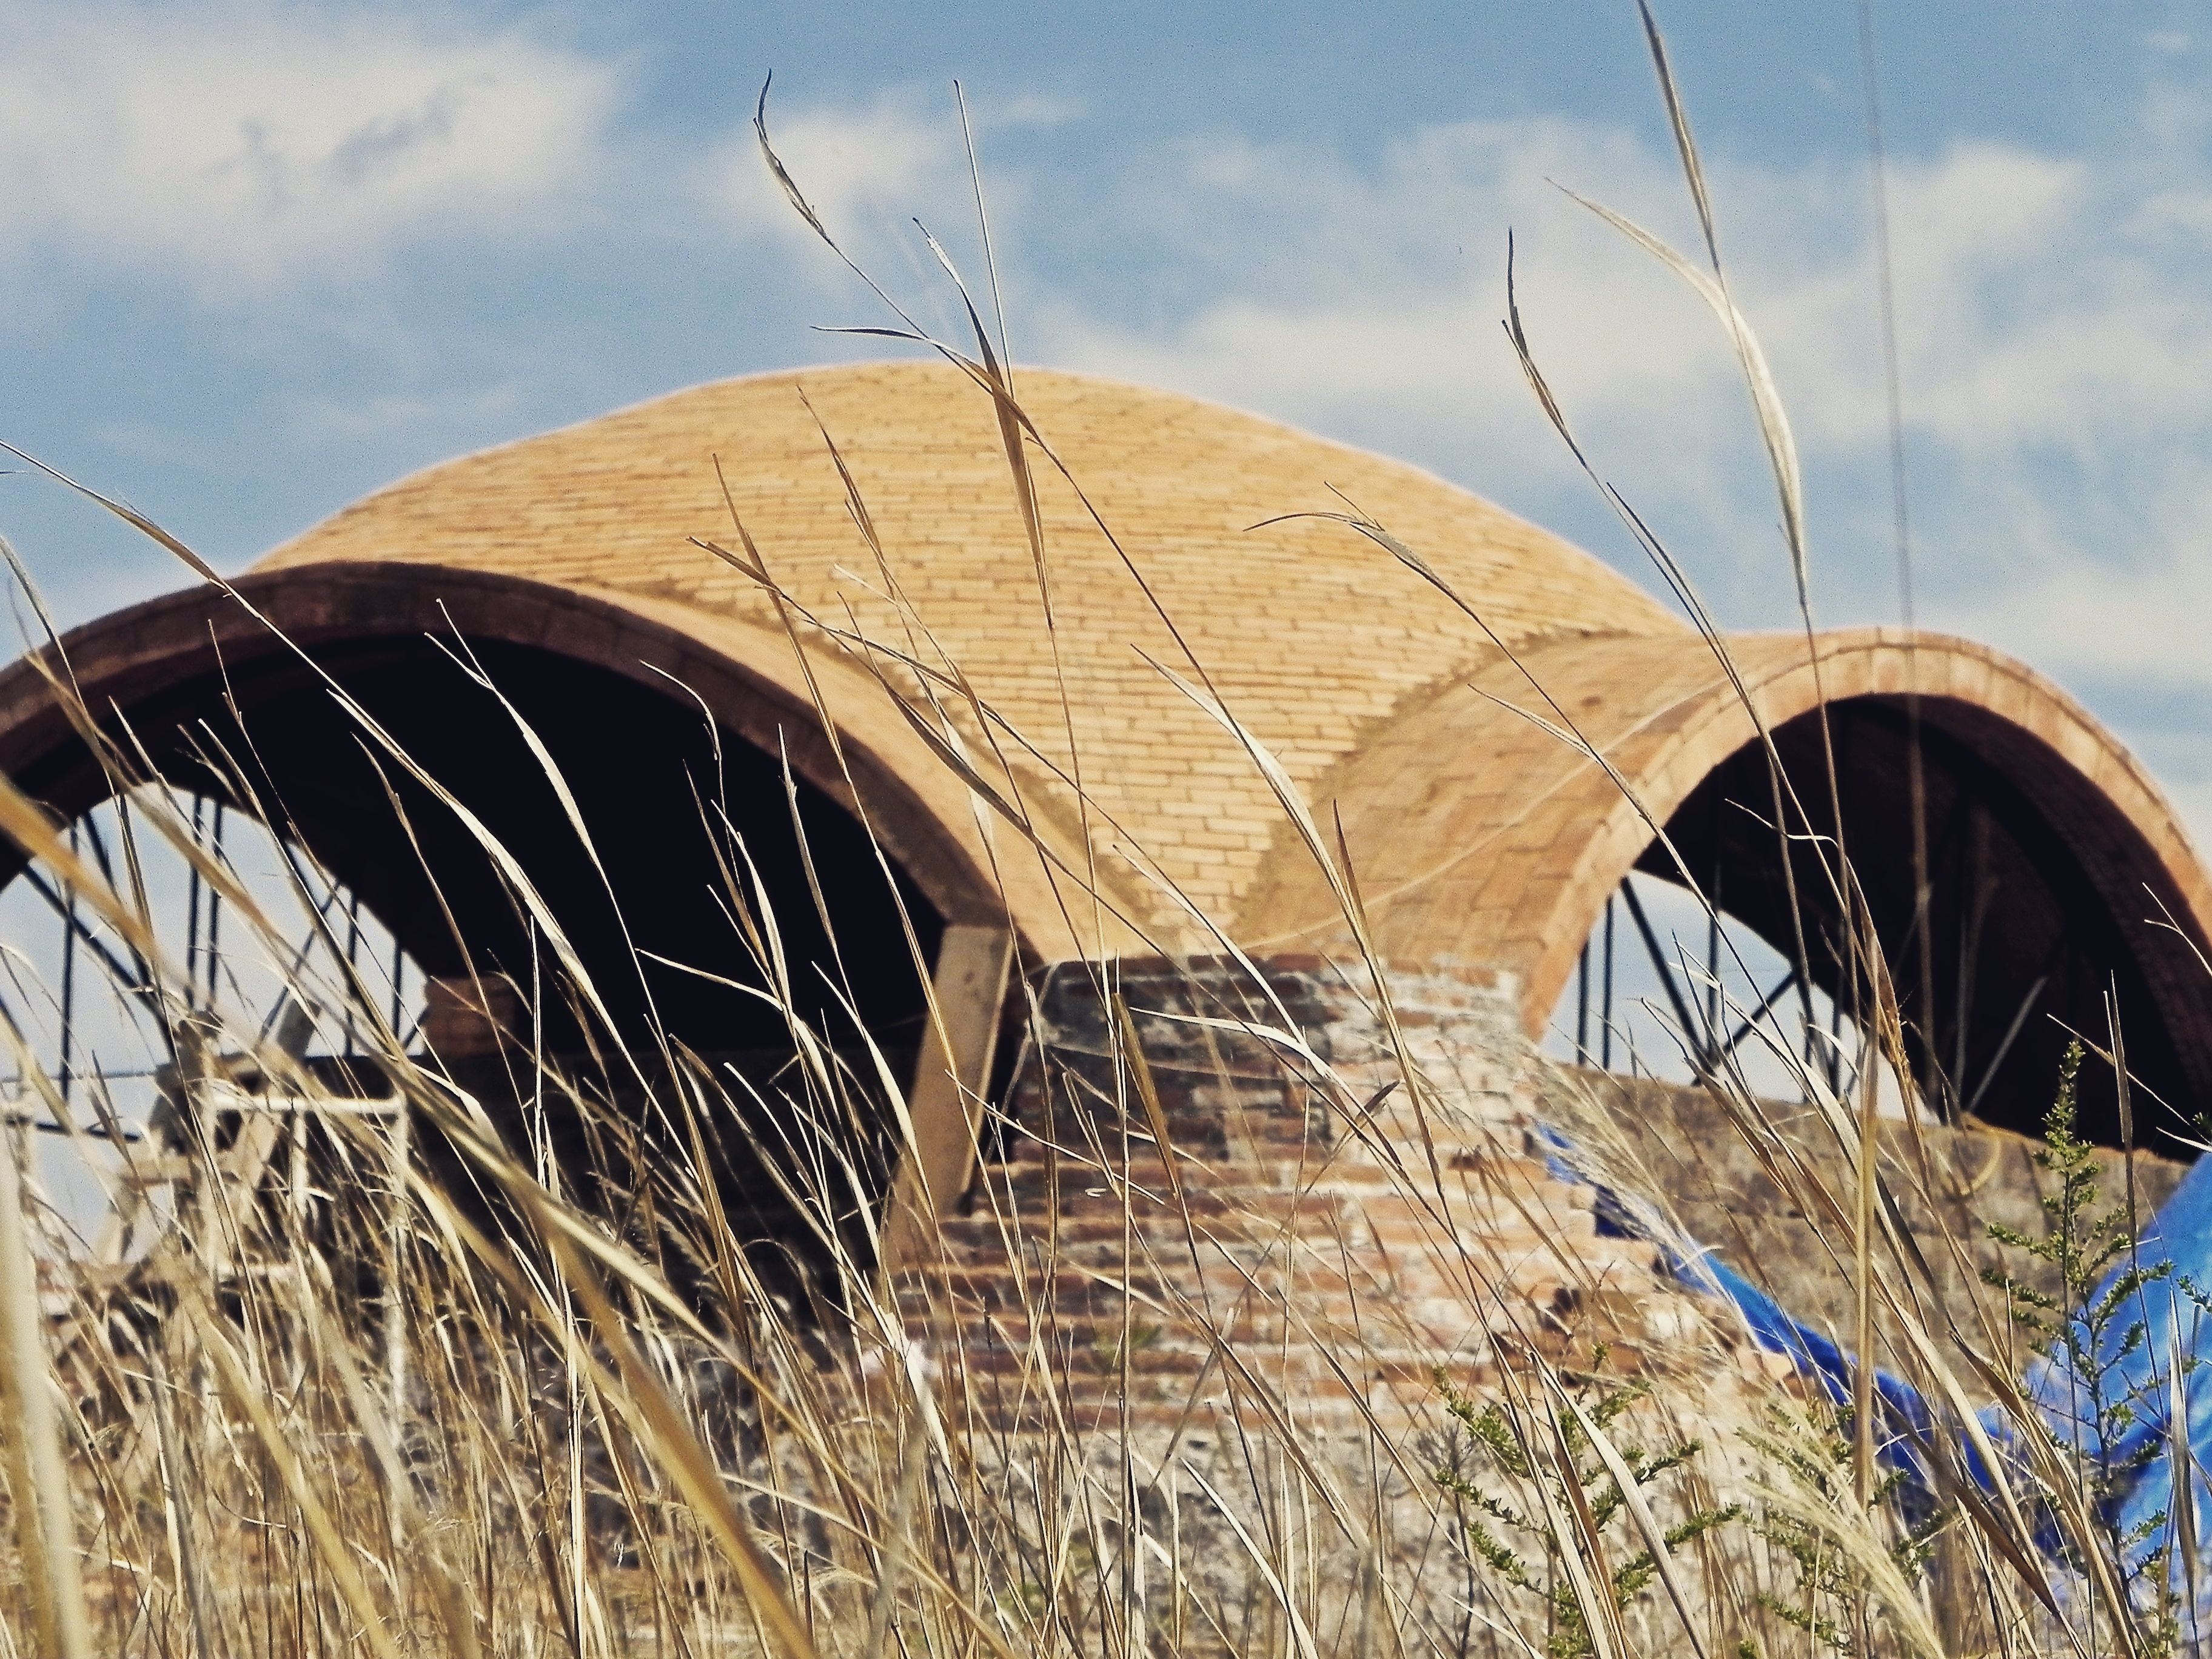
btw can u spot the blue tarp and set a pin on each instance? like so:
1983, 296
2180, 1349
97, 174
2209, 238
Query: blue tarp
2150, 1374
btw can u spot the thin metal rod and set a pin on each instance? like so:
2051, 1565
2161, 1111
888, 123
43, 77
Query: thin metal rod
1605, 1026
353, 960
2005, 1047
69, 927
90, 1131
1713, 955
1765, 1007
99, 849
66, 909
398, 984
140, 979
214, 908
165, 1020
1582, 1006
1836, 1042
192, 905
143, 978
1699, 1045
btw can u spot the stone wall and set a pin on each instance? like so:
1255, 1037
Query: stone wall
1323, 1239
1327, 1235
1172, 1329
1680, 1145
1231, 1352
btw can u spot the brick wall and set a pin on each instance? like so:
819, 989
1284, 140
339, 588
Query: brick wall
1331, 1235
1325, 1239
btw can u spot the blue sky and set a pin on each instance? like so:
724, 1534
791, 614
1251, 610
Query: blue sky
259, 258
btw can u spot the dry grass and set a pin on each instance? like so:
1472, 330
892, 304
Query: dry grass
408, 1391
414, 1388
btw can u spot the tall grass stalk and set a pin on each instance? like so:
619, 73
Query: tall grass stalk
425, 1389
519, 1434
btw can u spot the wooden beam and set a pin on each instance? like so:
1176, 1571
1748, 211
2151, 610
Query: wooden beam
945, 1105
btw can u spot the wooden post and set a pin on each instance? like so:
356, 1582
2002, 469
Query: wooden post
46, 1528
947, 1102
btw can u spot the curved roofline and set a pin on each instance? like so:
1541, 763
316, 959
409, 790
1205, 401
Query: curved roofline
797, 376
750, 678
1480, 836
2021, 722
912, 532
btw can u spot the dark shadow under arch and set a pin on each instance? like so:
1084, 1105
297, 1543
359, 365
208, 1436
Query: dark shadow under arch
2026, 933
650, 774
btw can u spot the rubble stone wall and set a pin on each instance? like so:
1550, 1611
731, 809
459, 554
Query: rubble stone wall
1324, 1237
1321, 1239
1756, 1197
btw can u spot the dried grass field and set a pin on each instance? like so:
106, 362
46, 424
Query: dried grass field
623, 1350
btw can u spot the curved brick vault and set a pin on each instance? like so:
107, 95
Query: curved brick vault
1483, 843
2056, 865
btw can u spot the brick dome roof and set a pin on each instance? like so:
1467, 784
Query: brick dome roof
1483, 841
1312, 635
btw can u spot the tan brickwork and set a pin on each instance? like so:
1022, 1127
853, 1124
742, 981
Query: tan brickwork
1308, 1259
1313, 635
1481, 835
1478, 835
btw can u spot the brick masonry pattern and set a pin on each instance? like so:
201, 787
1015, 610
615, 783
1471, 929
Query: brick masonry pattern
1313, 635
1480, 838
1321, 1250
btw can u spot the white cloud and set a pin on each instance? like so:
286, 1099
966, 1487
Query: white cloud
1348, 296
879, 166
1366, 303
858, 168
2055, 336
870, 173
1028, 109
2055, 347
372, 418
2142, 627
235, 140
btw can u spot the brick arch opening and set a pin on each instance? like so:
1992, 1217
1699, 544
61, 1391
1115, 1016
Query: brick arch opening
2022, 938
1487, 840
674, 758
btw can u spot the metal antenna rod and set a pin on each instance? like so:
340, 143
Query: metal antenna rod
1581, 1005
69, 984
1605, 1026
